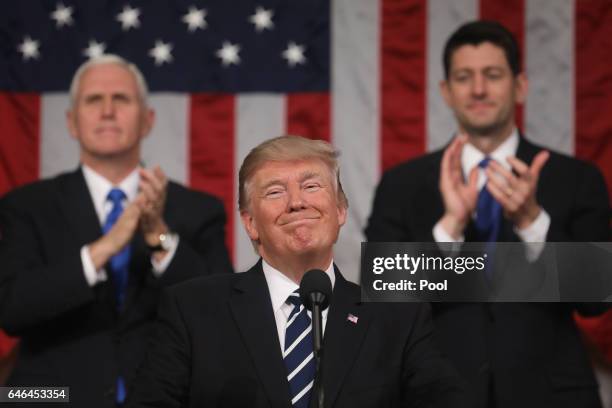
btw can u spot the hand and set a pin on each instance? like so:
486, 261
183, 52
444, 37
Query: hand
153, 185
517, 194
458, 196
119, 235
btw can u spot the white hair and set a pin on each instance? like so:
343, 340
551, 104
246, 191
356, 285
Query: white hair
141, 84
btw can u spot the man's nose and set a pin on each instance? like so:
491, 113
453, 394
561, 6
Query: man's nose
296, 199
479, 85
108, 108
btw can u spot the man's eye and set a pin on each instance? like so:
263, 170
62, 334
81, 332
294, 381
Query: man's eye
312, 187
93, 99
462, 78
121, 98
273, 193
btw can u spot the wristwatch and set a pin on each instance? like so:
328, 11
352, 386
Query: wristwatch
166, 241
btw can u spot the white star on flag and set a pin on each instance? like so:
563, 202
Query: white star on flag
195, 19
229, 53
294, 54
29, 48
161, 52
129, 18
262, 19
95, 49
62, 15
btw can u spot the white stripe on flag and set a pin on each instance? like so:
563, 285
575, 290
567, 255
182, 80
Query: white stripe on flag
259, 117
58, 151
355, 118
443, 17
550, 70
168, 143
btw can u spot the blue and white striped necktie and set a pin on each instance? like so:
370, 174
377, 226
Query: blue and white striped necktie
298, 353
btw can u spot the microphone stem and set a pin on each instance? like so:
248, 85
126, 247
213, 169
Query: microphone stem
317, 328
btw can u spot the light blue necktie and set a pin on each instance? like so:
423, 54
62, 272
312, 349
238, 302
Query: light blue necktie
118, 266
298, 353
488, 221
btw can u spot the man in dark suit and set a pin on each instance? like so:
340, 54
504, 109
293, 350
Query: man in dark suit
245, 340
85, 254
522, 354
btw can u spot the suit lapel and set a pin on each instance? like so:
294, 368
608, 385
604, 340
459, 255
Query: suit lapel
78, 209
252, 309
343, 337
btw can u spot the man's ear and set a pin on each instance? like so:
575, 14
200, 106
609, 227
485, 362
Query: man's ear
249, 225
445, 92
521, 86
71, 123
148, 121
341, 214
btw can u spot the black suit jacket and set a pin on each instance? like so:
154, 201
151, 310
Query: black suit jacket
217, 346
70, 332
528, 354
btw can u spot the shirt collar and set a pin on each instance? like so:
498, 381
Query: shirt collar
471, 156
99, 187
280, 286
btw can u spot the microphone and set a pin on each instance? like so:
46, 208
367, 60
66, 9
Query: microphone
315, 288
316, 294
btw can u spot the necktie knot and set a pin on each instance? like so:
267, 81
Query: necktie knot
484, 162
294, 299
116, 196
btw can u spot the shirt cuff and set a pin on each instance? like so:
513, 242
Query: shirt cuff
159, 267
535, 235
441, 236
91, 275
537, 230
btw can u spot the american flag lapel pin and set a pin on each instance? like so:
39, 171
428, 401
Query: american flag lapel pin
352, 318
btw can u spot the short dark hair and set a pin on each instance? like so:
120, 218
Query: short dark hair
477, 32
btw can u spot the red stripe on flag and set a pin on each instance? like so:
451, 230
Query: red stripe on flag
19, 139
308, 115
510, 13
403, 80
211, 152
593, 81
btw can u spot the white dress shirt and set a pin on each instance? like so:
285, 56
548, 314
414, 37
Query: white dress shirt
470, 157
280, 287
99, 187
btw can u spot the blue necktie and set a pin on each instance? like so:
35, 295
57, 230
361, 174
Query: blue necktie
118, 266
298, 353
488, 220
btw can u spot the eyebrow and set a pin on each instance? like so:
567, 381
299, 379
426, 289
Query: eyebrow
303, 177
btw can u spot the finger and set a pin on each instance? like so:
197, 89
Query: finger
161, 176
501, 197
148, 191
538, 163
149, 177
496, 171
518, 165
499, 181
455, 160
473, 179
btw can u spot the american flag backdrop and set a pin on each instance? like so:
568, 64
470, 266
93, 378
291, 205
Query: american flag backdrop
226, 75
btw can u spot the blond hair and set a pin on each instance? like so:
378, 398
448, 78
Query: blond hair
288, 148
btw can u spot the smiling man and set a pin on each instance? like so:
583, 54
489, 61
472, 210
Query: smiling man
84, 254
244, 340
491, 184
